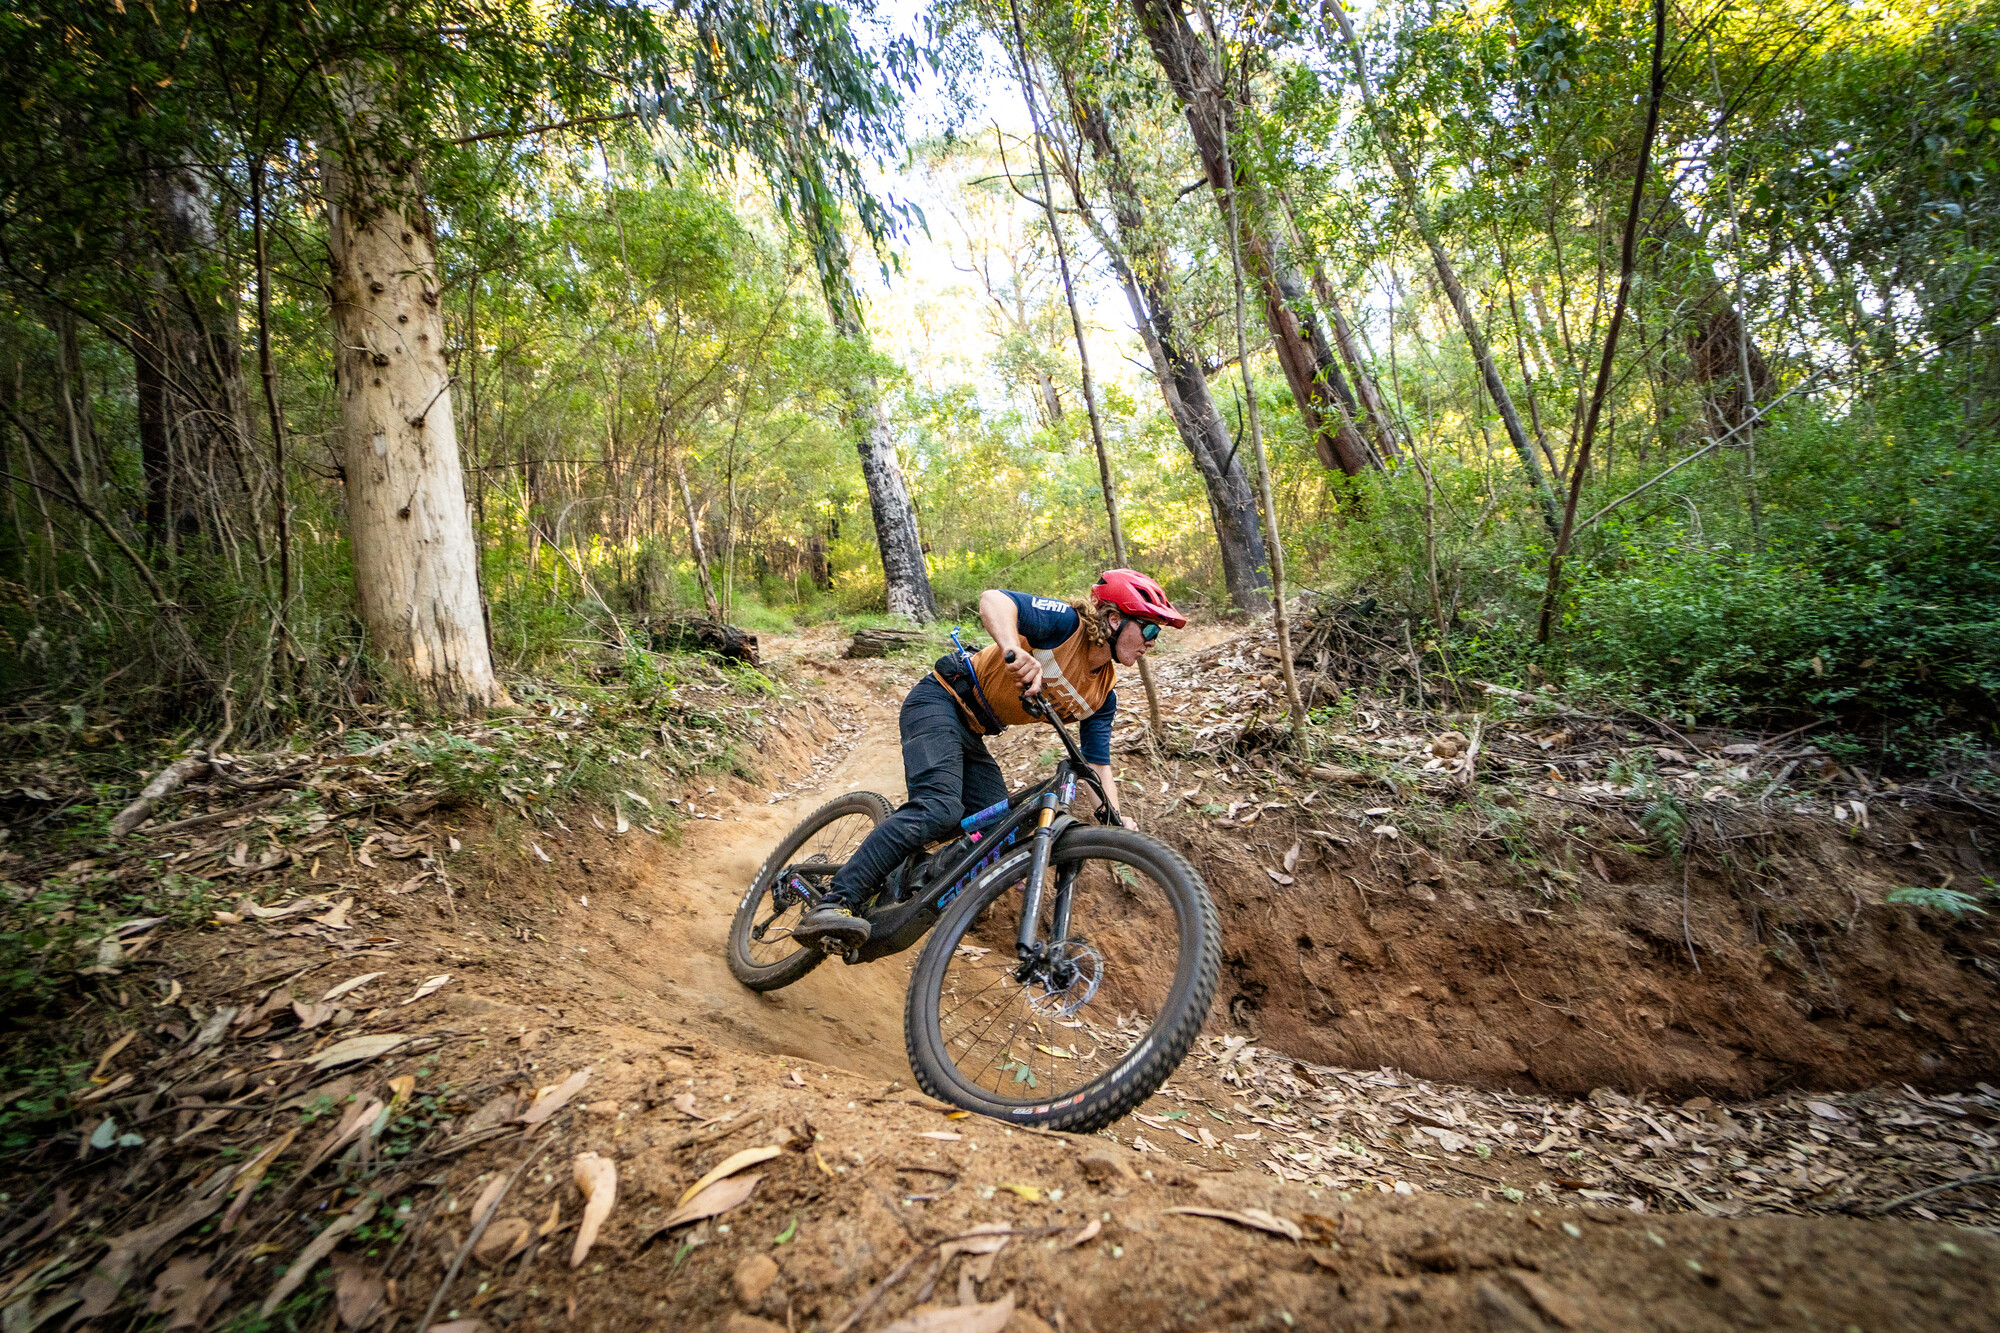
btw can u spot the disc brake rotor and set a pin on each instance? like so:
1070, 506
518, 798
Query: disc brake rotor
1069, 975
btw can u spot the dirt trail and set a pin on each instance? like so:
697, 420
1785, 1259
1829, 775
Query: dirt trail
838, 1015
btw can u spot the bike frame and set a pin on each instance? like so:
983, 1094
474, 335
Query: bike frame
896, 926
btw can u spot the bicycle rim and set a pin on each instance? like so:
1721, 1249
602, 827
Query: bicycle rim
831, 844
1123, 982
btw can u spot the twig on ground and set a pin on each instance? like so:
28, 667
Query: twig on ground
479, 1225
1914, 1195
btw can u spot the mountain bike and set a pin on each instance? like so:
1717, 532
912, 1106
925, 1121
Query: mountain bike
1070, 968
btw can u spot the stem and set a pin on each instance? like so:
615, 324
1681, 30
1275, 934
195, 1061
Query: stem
1626, 264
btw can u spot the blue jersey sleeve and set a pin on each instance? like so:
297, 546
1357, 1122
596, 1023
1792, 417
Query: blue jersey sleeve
1094, 737
1045, 621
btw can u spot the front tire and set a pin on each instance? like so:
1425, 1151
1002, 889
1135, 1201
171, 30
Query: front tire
829, 835
982, 1040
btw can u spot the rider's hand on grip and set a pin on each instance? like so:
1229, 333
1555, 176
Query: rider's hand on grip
1028, 672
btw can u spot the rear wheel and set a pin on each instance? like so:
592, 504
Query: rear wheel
1105, 1016
762, 953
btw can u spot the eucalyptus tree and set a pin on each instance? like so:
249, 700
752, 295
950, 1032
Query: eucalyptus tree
1089, 66
1215, 113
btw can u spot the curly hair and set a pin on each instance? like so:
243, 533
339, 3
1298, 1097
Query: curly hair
1095, 616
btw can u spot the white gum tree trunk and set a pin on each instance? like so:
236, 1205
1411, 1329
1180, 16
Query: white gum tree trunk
415, 555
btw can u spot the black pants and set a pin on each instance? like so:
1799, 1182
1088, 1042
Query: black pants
949, 775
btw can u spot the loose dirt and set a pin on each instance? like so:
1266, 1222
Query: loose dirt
1466, 1191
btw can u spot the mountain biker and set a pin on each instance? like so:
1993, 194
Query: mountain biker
1067, 652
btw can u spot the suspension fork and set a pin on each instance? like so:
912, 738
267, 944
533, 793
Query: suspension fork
1038, 869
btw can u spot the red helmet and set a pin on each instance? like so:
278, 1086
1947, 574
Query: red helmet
1136, 595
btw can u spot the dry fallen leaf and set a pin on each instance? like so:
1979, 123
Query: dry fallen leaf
1276, 877
717, 1199
551, 1099
312, 1015
540, 853
1825, 1110
321, 1246
941, 1135
183, 1287
729, 1166
356, 1293
1255, 1218
1292, 857
488, 1197
110, 1054
359, 1048
1089, 1232
502, 1240
990, 1317
1032, 1193
352, 984
598, 1179
337, 918
430, 987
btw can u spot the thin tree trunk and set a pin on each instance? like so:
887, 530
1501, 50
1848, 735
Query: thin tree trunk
415, 555
1309, 365
694, 540
1273, 541
907, 583
1626, 265
268, 372
1118, 553
1183, 381
1517, 435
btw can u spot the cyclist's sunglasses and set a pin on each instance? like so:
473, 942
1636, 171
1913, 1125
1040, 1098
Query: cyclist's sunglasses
1148, 630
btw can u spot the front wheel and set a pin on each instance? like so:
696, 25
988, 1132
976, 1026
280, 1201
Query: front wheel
762, 953
1109, 1012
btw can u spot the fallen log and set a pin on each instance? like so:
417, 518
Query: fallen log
882, 642
164, 784
702, 635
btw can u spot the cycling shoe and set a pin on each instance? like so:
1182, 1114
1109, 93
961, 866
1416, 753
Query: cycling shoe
833, 929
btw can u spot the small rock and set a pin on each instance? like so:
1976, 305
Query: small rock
753, 1278
1101, 1168
605, 1109
500, 1237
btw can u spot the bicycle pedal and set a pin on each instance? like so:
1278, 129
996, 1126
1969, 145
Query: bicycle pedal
851, 957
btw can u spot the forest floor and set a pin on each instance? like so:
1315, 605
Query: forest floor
1520, 1064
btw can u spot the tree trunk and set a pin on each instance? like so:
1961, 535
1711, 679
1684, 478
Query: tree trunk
1140, 263
1721, 354
907, 581
415, 557
1308, 362
1482, 352
1370, 408
694, 541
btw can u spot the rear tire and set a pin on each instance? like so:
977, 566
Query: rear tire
840, 825
1131, 892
